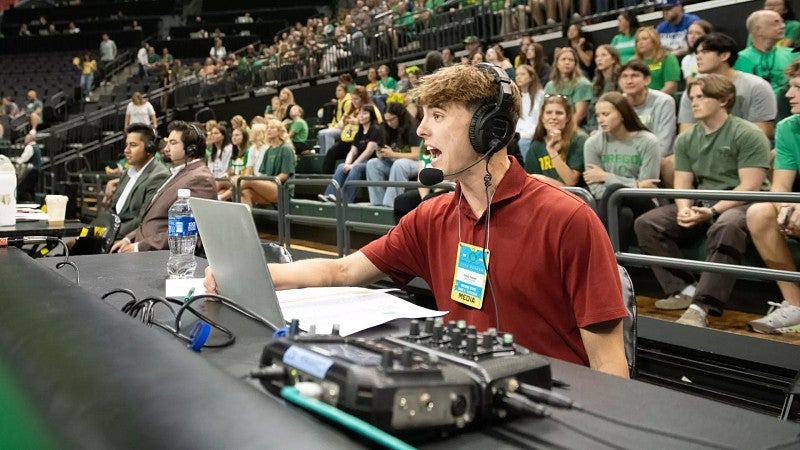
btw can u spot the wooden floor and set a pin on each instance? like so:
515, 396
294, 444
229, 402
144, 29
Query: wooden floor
731, 321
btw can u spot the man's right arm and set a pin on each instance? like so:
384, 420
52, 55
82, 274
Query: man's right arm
352, 270
683, 180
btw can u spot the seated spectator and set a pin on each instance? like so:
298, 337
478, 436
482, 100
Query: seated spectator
328, 136
218, 150
127, 196
556, 153
372, 81
607, 67
10, 108
286, 98
367, 140
624, 153
33, 109
397, 158
494, 55
23, 30
184, 151
655, 109
665, 71
277, 160
140, 110
755, 101
766, 27
583, 48
770, 224
386, 85
349, 126
218, 50
625, 40
721, 152
568, 81
31, 164
237, 164
532, 96
238, 122
689, 62
72, 29
246, 18
673, 29
298, 130
274, 105
791, 34
402, 78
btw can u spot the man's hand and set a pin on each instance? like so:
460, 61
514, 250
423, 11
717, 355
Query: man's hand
111, 188
693, 216
209, 282
594, 174
789, 219
122, 246
651, 183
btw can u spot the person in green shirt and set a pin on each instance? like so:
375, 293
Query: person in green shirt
720, 152
568, 81
771, 223
665, 71
298, 129
790, 34
277, 160
625, 40
764, 58
556, 152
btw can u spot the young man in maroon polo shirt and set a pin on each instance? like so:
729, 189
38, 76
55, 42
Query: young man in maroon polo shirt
552, 275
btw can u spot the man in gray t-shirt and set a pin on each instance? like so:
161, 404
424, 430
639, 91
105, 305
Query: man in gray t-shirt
655, 109
755, 100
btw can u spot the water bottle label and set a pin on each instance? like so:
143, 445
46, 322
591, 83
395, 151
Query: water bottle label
182, 226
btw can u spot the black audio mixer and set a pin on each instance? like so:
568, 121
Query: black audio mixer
437, 377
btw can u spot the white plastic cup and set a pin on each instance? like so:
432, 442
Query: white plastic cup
56, 208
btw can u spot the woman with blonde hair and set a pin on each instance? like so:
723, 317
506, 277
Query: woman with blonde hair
556, 153
275, 158
140, 110
567, 80
665, 71
532, 96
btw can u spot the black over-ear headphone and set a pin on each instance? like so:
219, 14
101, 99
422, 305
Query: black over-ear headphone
491, 127
151, 145
191, 150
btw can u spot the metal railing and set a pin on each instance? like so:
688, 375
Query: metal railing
691, 265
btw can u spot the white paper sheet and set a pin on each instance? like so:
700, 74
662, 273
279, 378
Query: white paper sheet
353, 308
181, 287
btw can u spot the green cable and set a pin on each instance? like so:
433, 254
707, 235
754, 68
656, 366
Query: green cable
293, 395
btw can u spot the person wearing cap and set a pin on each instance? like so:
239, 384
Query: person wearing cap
472, 44
674, 27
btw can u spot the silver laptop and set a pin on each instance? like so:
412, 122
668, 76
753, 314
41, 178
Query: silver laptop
232, 247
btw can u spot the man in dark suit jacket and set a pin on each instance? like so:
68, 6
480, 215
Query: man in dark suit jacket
185, 147
141, 181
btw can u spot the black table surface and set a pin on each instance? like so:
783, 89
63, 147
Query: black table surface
629, 401
69, 228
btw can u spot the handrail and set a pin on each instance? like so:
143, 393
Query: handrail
288, 218
615, 201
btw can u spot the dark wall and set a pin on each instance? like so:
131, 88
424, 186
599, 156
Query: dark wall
63, 42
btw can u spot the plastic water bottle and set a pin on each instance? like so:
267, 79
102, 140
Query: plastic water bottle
8, 187
182, 238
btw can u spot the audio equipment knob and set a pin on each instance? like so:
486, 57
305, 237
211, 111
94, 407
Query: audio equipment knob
413, 328
472, 345
428, 327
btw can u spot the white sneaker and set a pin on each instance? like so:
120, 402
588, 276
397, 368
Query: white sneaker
782, 318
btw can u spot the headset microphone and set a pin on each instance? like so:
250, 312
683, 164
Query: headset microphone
430, 176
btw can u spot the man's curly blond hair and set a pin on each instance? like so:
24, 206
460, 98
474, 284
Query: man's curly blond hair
463, 83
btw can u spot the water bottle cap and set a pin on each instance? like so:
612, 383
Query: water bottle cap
184, 193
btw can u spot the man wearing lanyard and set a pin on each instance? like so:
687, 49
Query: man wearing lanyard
184, 151
528, 258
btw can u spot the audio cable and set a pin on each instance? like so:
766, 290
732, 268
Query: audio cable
537, 394
144, 308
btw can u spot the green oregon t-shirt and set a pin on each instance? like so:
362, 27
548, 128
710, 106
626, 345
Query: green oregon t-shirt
300, 129
538, 160
787, 144
768, 66
715, 158
663, 70
278, 160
